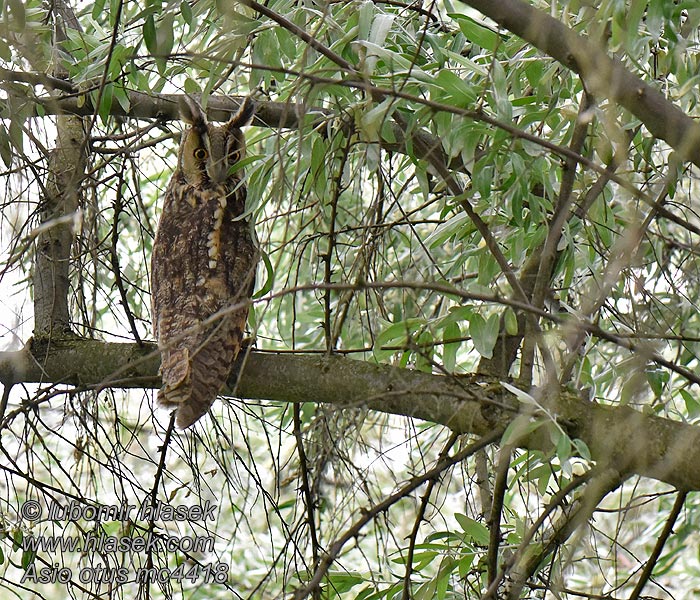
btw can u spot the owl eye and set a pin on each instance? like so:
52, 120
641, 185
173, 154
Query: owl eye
200, 154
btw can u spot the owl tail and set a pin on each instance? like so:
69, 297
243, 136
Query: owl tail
192, 380
176, 392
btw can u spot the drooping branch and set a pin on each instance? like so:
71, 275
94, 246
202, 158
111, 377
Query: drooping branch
621, 438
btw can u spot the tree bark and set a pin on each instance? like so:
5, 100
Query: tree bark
58, 209
58, 216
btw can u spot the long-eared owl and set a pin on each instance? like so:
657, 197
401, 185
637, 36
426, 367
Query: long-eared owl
203, 264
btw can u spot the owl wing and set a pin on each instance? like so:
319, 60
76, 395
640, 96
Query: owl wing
198, 351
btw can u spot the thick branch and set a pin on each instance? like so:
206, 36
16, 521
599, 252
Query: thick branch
53, 245
622, 438
603, 76
67, 164
165, 107
276, 115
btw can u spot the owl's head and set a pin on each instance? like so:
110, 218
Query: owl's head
207, 152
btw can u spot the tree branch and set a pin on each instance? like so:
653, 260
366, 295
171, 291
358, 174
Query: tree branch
67, 163
603, 76
629, 441
277, 115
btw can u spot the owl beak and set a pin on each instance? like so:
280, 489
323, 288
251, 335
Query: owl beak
217, 171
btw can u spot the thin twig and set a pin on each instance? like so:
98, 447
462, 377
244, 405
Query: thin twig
425, 499
156, 484
305, 490
114, 259
500, 486
659, 546
3, 401
369, 514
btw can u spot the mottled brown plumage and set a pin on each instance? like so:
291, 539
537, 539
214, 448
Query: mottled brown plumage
203, 265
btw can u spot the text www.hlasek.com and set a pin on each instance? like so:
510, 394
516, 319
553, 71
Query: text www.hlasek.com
92, 542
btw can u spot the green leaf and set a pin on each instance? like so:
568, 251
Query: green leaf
443, 581
192, 87
366, 13
106, 102
562, 443
165, 34
380, 28
449, 352
16, 132
113, 12
395, 336
122, 96
488, 268
17, 537
465, 564
454, 89
692, 404
242, 164
484, 333
426, 591
476, 532
541, 475
521, 426
5, 147
286, 42
186, 12
270, 276
98, 7
425, 352
149, 34
657, 379
372, 120
511, 321
458, 225
582, 449
343, 581
395, 60
475, 32
521, 395
28, 557
632, 19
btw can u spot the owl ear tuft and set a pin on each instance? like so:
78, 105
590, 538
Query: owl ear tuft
244, 115
192, 113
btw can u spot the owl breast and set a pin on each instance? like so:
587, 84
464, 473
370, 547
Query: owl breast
203, 268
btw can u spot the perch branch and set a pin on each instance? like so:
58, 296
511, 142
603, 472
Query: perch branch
632, 442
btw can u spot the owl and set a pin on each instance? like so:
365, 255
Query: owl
203, 264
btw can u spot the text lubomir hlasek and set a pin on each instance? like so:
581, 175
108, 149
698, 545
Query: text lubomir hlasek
159, 511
